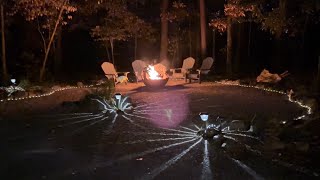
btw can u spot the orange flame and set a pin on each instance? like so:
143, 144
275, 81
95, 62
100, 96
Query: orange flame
153, 74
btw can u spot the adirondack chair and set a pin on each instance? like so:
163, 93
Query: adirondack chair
203, 71
180, 73
138, 67
111, 73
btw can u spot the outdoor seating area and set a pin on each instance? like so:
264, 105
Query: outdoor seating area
157, 90
143, 71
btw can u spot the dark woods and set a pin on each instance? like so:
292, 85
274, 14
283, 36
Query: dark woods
66, 40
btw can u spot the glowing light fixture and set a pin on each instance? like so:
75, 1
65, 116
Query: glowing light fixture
283, 122
117, 96
13, 81
204, 116
223, 144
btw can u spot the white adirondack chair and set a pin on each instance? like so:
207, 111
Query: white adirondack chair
138, 67
180, 73
206, 66
203, 71
111, 73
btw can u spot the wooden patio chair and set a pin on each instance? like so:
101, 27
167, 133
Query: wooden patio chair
111, 73
180, 73
138, 67
203, 71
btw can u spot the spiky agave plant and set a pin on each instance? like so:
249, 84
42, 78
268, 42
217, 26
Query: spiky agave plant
12, 89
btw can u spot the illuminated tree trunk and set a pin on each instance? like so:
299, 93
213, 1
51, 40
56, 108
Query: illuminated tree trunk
112, 54
203, 28
229, 47
3, 43
190, 39
136, 38
108, 53
164, 30
178, 51
43, 68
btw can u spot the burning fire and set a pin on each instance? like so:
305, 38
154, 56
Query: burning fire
153, 74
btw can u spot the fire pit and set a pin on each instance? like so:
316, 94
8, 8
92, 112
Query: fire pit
155, 82
152, 78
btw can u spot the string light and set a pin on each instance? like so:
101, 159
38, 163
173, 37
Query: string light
309, 109
49, 93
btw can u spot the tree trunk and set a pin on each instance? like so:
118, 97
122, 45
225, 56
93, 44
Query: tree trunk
108, 53
203, 29
305, 26
197, 46
318, 76
164, 31
178, 59
239, 49
112, 54
277, 56
42, 71
229, 47
190, 39
3, 42
214, 44
174, 57
283, 8
302, 45
135, 46
249, 41
58, 53
283, 15
136, 38
42, 36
